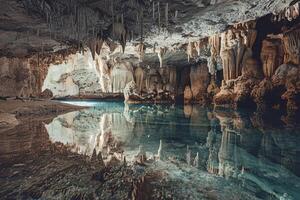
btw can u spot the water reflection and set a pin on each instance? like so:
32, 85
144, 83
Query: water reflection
247, 150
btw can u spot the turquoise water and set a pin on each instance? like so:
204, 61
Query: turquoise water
203, 153
241, 155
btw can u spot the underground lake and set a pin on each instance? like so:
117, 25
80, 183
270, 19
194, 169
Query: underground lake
188, 152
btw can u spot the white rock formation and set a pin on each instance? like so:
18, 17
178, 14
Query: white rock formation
78, 75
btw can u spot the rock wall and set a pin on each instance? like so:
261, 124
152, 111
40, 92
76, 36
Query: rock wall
270, 81
24, 77
200, 79
76, 76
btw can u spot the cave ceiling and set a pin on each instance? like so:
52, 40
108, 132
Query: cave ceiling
28, 26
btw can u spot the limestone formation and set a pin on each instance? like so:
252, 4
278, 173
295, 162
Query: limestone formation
104, 71
191, 51
140, 49
130, 91
199, 77
271, 56
214, 43
121, 74
236, 45
119, 32
139, 78
291, 41
160, 53
290, 13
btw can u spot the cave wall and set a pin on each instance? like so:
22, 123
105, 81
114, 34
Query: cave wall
24, 76
76, 75
260, 61
17, 78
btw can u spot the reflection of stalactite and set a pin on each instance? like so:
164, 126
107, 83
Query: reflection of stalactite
196, 160
188, 155
160, 150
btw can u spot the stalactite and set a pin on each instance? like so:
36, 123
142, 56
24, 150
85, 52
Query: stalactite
167, 14
120, 33
190, 50
113, 18
153, 10
99, 45
199, 45
154, 47
215, 45
158, 11
142, 24
176, 15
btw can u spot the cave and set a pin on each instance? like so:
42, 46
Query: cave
150, 99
